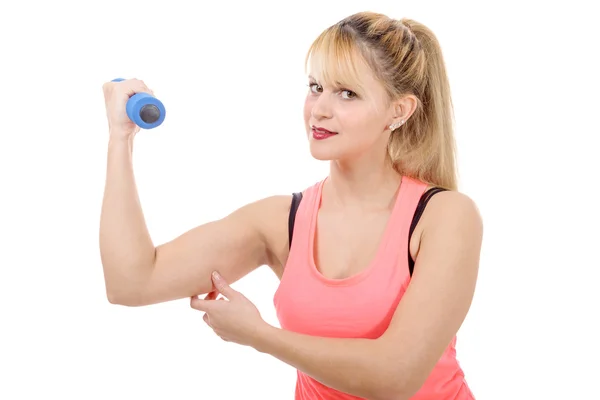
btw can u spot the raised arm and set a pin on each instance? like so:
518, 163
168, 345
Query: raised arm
138, 273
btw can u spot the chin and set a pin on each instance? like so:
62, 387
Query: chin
323, 151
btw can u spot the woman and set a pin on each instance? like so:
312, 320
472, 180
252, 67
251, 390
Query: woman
378, 261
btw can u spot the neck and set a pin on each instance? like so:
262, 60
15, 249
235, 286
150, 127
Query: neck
364, 185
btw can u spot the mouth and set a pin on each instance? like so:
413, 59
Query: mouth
321, 133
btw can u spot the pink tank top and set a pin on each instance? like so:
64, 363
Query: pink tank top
309, 303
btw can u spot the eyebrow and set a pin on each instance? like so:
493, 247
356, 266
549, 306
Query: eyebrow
338, 84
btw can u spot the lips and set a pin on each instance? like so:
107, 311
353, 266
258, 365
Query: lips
322, 131
319, 133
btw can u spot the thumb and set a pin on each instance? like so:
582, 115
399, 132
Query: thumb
222, 286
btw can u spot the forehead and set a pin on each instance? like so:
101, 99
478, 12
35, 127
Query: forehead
335, 59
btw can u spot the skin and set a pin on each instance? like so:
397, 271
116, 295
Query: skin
357, 200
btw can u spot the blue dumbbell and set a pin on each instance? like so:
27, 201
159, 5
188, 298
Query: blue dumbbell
145, 110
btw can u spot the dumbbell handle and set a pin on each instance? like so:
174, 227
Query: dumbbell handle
144, 110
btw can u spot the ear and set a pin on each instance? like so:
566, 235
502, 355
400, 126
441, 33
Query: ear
404, 107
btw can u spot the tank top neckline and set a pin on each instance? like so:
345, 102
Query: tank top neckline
388, 233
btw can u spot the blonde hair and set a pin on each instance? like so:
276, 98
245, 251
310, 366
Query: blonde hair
406, 57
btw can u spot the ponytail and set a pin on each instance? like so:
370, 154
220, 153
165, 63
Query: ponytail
424, 147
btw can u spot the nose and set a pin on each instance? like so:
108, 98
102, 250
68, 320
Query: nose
321, 107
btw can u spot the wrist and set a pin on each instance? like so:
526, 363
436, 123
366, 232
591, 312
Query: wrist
117, 137
115, 140
265, 337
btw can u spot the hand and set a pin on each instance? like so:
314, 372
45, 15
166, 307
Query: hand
116, 95
234, 319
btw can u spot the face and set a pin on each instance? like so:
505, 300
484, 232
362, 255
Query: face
357, 117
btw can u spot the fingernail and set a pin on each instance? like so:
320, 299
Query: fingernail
215, 275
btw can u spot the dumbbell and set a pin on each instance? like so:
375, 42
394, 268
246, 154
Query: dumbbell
144, 110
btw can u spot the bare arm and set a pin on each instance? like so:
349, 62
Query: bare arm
235, 245
126, 249
138, 273
395, 365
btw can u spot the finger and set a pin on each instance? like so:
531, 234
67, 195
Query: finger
206, 319
131, 87
137, 86
201, 304
222, 286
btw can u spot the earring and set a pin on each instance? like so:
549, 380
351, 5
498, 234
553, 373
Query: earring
396, 125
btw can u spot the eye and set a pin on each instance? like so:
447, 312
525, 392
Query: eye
349, 94
315, 87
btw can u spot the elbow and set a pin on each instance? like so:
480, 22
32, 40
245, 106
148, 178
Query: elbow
125, 290
124, 297
117, 299
121, 299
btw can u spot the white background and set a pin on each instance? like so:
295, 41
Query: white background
525, 84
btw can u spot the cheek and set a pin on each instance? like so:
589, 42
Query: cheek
362, 125
354, 119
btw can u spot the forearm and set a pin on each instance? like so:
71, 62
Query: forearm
126, 247
356, 366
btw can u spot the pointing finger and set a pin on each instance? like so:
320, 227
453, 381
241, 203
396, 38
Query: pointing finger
222, 286
201, 304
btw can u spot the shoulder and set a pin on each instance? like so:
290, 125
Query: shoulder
269, 213
280, 205
270, 204
453, 208
449, 216
257, 213
270, 216
452, 228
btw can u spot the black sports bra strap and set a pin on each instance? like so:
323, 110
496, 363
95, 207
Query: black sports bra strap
296, 197
418, 212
